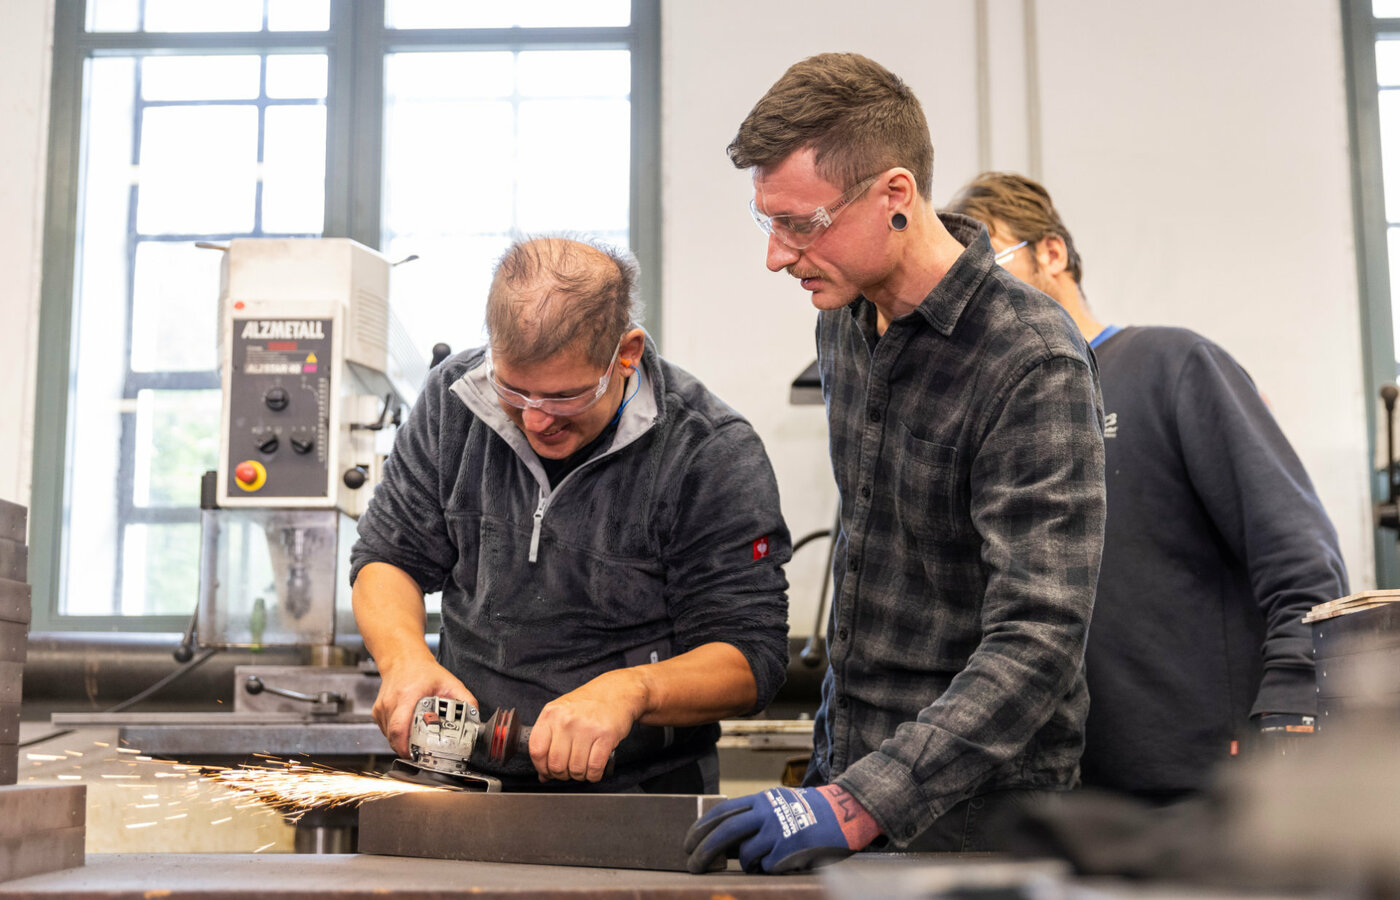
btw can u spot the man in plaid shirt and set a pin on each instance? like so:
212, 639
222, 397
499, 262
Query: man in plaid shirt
966, 439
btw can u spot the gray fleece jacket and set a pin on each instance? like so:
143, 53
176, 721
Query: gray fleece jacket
669, 539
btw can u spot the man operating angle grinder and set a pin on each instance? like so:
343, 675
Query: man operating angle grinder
604, 531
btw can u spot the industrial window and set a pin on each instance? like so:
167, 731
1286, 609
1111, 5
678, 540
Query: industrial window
1372, 40
435, 132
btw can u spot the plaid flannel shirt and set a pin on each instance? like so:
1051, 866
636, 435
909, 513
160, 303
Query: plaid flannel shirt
967, 446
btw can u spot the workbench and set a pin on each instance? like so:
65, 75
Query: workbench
290, 876
284, 876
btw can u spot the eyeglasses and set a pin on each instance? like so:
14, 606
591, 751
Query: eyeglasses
1009, 252
553, 406
798, 232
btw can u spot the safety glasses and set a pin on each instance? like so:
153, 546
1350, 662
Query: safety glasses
553, 406
799, 231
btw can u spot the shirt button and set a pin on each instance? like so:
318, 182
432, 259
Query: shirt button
874, 415
854, 564
865, 491
843, 634
840, 702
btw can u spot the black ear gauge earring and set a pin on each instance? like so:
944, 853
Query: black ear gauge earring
898, 222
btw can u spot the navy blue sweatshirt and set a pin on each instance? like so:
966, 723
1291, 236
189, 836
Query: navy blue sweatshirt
1216, 545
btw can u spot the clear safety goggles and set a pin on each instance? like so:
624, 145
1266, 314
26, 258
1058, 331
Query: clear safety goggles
799, 231
553, 406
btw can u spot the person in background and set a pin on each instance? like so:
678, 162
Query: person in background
965, 436
1216, 544
605, 533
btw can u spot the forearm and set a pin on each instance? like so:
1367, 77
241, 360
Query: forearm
703, 685
576, 732
389, 610
391, 617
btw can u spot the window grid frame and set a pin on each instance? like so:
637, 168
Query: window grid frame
355, 44
129, 514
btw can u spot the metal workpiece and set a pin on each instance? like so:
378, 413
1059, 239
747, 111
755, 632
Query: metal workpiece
12, 521
615, 831
195, 735
10, 675
245, 876
41, 807
14, 601
13, 646
14, 560
42, 828
9, 723
315, 740
41, 851
1358, 665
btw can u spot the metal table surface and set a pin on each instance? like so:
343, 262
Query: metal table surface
237, 734
285, 876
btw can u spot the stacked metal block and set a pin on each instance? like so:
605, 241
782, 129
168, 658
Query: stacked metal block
14, 630
42, 827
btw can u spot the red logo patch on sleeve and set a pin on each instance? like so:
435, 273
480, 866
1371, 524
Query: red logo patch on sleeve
760, 547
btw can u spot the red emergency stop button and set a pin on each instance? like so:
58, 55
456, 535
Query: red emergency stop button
250, 475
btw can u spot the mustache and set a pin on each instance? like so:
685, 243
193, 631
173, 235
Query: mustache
798, 273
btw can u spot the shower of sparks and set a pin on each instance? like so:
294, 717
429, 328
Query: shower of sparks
294, 788
281, 789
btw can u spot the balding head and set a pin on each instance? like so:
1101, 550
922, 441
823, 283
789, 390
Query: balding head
554, 294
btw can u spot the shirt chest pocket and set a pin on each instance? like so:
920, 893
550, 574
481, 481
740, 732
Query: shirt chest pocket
927, 488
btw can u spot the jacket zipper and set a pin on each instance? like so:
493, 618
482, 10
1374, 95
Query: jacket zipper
539, 520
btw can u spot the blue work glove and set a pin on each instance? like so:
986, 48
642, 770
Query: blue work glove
781, 830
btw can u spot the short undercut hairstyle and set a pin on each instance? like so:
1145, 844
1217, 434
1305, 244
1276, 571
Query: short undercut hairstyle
858, 117
555, 294
1023, 206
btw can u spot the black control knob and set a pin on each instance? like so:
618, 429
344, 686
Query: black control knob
268, 444
303, 445
354, 478
276, 398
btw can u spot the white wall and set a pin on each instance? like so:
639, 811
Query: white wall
1199, 153
26, 43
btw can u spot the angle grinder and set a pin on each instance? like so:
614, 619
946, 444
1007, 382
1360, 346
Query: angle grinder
447, 736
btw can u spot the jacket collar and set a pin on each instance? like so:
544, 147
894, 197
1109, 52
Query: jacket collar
476, 393
944, 305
